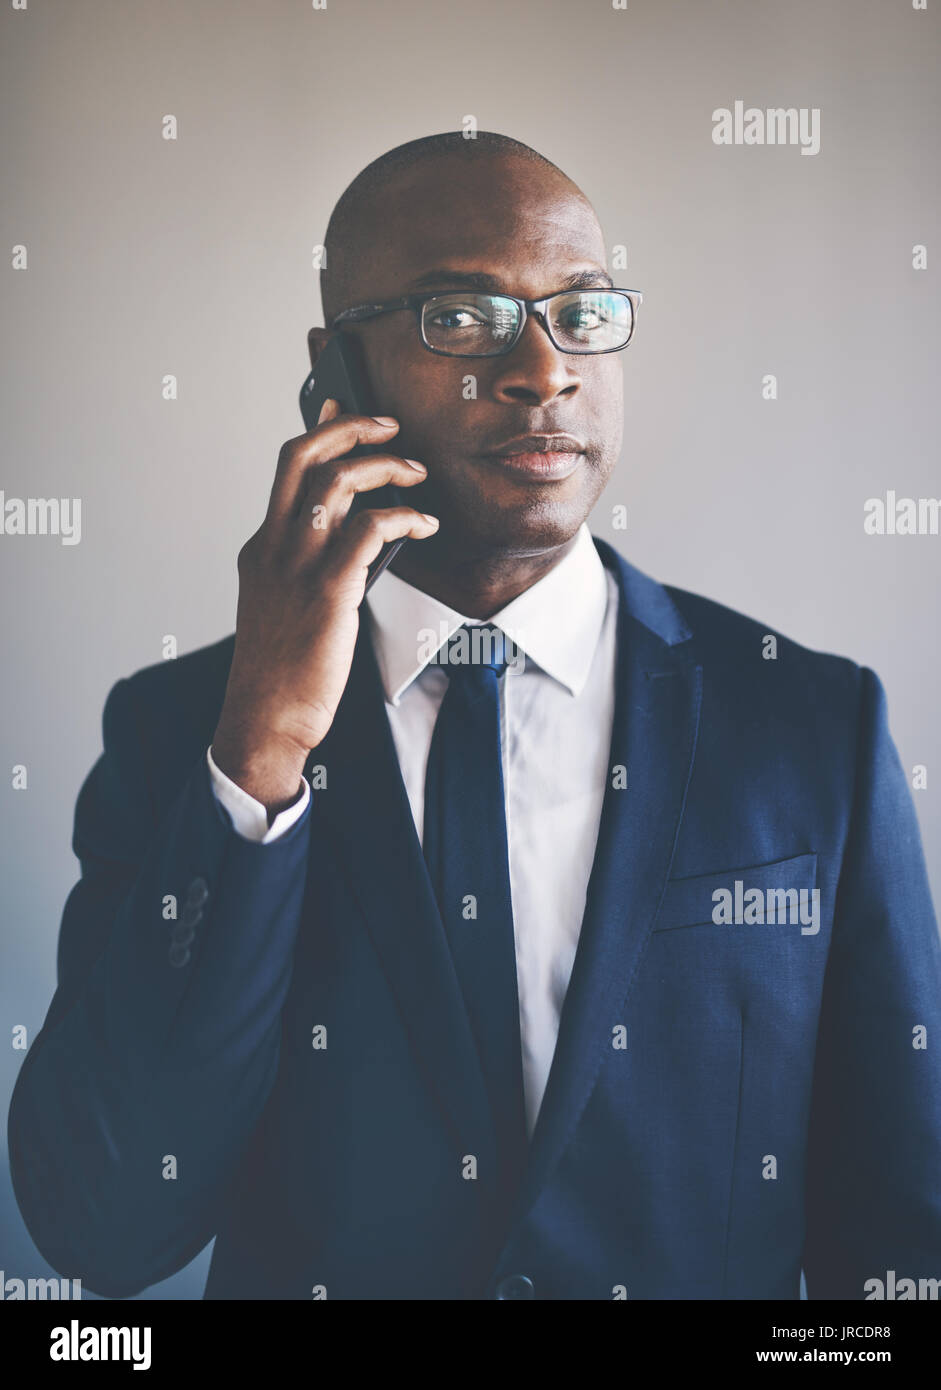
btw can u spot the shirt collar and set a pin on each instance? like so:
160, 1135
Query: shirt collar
556, 621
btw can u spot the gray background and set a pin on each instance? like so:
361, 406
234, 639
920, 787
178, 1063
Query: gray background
193, 257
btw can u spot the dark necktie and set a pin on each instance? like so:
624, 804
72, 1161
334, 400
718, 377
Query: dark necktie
465, 847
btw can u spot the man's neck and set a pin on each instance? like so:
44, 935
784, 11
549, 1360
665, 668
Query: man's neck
479, 587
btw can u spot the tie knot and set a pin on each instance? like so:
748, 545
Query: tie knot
474, 649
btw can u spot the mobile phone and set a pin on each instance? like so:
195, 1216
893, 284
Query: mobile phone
340, 373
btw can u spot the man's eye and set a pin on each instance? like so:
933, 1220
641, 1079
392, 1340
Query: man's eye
457, 318
583, 318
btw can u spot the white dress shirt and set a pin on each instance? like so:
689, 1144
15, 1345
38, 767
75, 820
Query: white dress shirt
556, 716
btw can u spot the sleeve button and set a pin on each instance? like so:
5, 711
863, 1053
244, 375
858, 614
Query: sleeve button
198, 892
515, 1286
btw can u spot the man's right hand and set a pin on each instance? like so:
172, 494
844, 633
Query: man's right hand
302, 577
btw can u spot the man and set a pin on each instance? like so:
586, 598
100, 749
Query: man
600, 964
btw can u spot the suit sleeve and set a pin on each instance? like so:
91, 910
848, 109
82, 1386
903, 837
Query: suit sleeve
161, 1044
874, 1156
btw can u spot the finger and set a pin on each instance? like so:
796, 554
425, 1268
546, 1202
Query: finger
330, 489
321, 444
362, 540
328, 411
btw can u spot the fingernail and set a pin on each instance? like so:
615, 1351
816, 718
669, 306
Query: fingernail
432, 519
386, 420
329, 402
413, 463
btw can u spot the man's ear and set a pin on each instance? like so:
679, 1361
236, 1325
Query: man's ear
317, 340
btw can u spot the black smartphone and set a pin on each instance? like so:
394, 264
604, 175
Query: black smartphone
341, 374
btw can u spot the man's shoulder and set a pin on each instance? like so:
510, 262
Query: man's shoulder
715, 630
754, 672
158, 722
194, 676
745, 653
720, 626
181, 697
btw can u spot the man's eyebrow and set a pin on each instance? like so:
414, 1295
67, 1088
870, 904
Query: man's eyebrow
445, 278
588, 280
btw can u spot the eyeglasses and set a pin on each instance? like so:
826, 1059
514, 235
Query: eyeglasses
462, 324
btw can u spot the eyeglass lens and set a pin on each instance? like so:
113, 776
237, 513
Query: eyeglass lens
481, 325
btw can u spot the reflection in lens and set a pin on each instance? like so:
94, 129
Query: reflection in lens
504, 316
593, 319
475, 324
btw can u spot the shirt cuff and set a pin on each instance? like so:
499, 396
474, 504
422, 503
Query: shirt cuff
249, 816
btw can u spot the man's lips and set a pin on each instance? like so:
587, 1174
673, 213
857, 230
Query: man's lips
539, 444
544, 457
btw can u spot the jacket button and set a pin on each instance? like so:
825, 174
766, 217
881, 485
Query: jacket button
191, 914
198, 892
515, 1286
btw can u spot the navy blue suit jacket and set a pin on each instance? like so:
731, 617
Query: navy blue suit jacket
727, 1103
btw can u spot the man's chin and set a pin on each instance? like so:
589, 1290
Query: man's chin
487, 510
539, 515
540, 524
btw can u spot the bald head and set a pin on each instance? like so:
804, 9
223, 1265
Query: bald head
422, 181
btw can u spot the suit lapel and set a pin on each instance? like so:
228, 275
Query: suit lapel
364, 810
656, 720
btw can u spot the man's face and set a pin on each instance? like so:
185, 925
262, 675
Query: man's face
526, 231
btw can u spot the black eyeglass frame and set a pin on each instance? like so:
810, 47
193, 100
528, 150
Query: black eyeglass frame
535, 307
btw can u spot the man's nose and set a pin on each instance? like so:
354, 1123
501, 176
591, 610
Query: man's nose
535, 372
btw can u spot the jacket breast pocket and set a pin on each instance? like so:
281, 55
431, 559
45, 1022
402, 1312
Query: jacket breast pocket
766, 891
